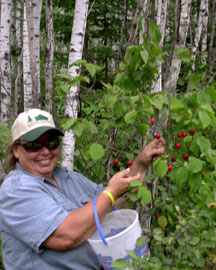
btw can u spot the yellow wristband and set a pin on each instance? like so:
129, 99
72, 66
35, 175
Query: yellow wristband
109, 194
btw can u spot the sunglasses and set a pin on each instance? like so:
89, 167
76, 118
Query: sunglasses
32, 147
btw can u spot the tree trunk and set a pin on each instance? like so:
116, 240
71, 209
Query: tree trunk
211, 42
172, 78
201, 26
133, 31
33, 15
5, 58
27, 79
72, 101
49, 55
161, 22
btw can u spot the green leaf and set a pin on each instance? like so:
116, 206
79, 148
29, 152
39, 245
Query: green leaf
183, 54
130, 117
162, 221
194, 241
204, 144
195, 181
145, 195
92, 69
96, 151
91, 127
176, 105
204, 118
144, 54
120, 264
207, 108
200, 262
142, 129
208, 244
182, 175
195, 164
68, 123
160, 167
154, 32
134, 184
203, 97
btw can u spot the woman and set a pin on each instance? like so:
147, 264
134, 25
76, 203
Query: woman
46, 212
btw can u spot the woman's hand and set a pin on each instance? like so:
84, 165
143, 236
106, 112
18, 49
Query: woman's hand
120, 182
151, 152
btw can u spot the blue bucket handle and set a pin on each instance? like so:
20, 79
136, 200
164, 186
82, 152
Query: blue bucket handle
98, 222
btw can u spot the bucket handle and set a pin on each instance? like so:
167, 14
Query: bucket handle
98, 222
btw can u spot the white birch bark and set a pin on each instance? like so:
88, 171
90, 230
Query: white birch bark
72, 100
205, 33
17, 68
49, 55
33, 15
161, 22
27, 79
172, 78
201, 28
5, 57
144, 24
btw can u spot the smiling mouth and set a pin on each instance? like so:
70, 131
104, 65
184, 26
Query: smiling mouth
44, 162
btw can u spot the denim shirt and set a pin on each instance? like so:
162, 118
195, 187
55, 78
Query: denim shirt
32, 208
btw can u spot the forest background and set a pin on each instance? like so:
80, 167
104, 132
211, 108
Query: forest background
114, 74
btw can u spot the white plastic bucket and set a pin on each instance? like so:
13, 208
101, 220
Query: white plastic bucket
121, 229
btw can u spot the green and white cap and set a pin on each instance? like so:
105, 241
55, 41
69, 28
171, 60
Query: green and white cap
32, 124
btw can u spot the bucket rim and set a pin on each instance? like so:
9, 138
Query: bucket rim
118, 234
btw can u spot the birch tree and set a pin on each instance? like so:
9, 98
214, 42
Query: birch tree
33, 15
161, 22
16, 62
200, 29
172, 78
49, 55
27, 80
5, 57
72, 100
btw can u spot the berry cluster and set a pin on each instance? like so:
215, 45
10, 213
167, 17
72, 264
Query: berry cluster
116, 162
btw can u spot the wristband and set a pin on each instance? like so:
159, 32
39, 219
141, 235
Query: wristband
109, 194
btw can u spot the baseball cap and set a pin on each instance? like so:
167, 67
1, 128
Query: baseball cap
32, 124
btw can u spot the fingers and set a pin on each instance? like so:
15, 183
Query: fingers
133, 178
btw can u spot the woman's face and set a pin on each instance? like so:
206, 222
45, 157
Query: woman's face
42, 162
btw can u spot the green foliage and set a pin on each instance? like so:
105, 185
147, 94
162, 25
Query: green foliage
183, 213
4, 138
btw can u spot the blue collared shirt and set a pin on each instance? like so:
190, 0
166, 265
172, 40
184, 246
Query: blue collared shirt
31, 209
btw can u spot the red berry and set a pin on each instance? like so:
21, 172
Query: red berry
192, 131
129, 163
157, 136
178, 145
176, 219
170, 167
202, 174
184, 134
180, 135
157, 217
173, 159
149, 205
152, 121
185, 156
116, 161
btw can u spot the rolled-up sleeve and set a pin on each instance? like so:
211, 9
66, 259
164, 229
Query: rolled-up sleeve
30, 214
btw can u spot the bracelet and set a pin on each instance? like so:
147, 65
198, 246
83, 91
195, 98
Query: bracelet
109, 194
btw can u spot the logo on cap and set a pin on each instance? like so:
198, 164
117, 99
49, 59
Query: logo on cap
37, 118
